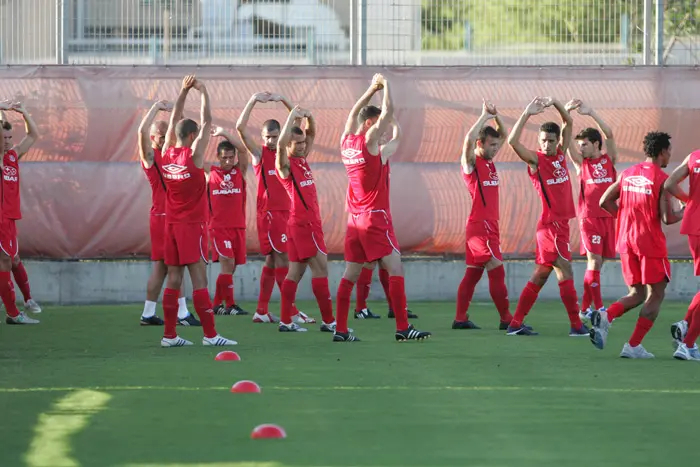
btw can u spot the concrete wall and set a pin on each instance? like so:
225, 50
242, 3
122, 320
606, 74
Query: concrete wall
125, 281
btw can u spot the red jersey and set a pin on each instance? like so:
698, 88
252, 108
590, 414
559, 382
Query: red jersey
638, 218
596, 176
368, 177
301, 189
553, 184
482, 183
186, 188
155, 179
271, 194
10, 186
690, 225
227, 197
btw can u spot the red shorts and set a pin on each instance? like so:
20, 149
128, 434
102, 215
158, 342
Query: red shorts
185, 243
272, 231
304, 242
694, 244
369, 237
483, 242
8, 237
598, 236
157, 224
552, 242
228, 243
644, 270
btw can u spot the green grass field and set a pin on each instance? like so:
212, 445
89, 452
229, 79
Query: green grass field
90, 387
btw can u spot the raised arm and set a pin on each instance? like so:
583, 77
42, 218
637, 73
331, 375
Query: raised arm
282, 159
468, 156
252, 146
527, 155
572, 150
199, 146
310, 132
178, 109
672, 183
145, 147
241, 150
610, 146
609, 199
30, 127
351, 124
389, 149
567, 128
379, 128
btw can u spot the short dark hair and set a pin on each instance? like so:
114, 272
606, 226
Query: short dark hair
271, 125
225, 146
592, 135
655, 142
297, 131
7, 126
487, 131
185, 128
367, 112
550, 127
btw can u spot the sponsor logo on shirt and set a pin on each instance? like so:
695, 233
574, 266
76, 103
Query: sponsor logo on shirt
9, 173
493, 175
559, 172
350, 156
599, 174
638, 184
176, 172
226, 187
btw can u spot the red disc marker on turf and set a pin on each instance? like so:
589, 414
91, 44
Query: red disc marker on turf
246, 386
227, 355
268, 431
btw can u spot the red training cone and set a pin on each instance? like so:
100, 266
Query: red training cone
246, 386
227, 355
268, 431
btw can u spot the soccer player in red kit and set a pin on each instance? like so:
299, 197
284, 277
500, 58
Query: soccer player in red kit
550, 177
305, 243
370, 233
272, 206
483, 248
227, 224
11, 213
186, 215
685, 332
596, 171
151, 139
643, 205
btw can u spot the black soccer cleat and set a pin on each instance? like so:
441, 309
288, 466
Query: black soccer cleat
366, 314
152, 321
468, 324
220, 310
411, 334
411, 315
236, 310
189, 320
344, 337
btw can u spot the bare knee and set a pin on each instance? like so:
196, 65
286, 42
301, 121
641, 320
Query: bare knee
563, 270
392, 264
175, 277
540, 275
352, 271
198, 274
280, 260
636, 295
493, 264
270, 261
15, 261
319, 266
595, 262
296, 271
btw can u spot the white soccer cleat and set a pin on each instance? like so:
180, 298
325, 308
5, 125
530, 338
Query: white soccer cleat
635, 352
585, 315
303, 318
266, 318
601, 326
21, 318
217, 341
32, 305
684, 353
330, 327
678, 332
174, 342
293, 327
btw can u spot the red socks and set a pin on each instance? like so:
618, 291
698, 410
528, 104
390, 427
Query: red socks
616, 310
384, 279
591, 290
640, 330
528, 297
170, 307
499, 293
695, 303
280, 276
289, 292
267, 283
397, 290
363, 285
465, 292
322, 292
595, 291
343, 305
693, 325
567, 291
203, 307
7, 293
224, 290
20, 275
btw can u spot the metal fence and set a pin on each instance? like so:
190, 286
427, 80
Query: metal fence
342, 32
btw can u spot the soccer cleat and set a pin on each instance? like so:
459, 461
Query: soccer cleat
585, 315
411, 334
151, 321
583, 331
684, 353
32, 305
678, 332
365, 313
188, 320
468, 324
174, 342
635, 352
236, 310
411, 315
601, 326
344, 337
303, 318
221, 310
523, 330
266, 318
218, 341
294, 327
330, 327
21, 318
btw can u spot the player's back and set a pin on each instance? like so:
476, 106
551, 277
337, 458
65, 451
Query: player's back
271, 194
227, 198
301, 188
596, 176
691, 219
483, 183
155, 180
368, 176
11, 205
186, 188
553, 183
638, 218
